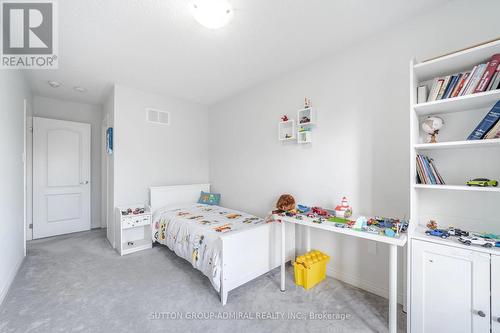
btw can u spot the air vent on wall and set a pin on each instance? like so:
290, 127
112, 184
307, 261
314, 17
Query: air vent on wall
158, 117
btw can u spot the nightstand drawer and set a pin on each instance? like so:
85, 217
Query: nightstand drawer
135, 221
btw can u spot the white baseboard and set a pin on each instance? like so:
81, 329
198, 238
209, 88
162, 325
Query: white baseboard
362, 284
10, 279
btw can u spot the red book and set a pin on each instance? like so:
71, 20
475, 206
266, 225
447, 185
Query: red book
488, 73
460, 84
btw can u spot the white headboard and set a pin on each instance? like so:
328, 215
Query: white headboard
162, 196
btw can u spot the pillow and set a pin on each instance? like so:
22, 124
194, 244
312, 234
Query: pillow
209, 198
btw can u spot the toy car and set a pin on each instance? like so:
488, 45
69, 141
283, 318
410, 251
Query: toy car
482, 182
469, 240
457, 232
340, 225
438, 233
311, 215
320, 211
373, 230
497, 244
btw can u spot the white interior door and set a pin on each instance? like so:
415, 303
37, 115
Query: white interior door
61, 177
495, 294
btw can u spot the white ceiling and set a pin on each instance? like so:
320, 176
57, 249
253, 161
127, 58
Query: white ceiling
157, 46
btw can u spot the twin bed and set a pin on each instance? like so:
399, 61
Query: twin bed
228, 246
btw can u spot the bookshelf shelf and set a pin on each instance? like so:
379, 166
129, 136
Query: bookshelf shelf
458, 144
457, 188
456, 62
458, 104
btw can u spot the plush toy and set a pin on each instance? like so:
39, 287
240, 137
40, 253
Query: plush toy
286, 203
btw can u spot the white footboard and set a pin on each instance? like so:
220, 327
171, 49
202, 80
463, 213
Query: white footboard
251, 253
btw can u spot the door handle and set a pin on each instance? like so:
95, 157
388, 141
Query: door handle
481, 314
85, 182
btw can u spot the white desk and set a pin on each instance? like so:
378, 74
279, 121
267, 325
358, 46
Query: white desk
330, 226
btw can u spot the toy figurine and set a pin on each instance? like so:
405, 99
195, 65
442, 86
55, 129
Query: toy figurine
432, 225
307, 103
361, 223
343, 210
284, 118
286, 203
431, 126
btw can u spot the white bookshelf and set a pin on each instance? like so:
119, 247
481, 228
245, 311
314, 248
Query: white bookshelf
474, 209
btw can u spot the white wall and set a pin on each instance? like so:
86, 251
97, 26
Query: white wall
361, 142
148, 154
85, 113
13, 91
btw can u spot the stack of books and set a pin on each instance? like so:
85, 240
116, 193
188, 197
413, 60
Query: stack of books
489, 127
483, 77
427, 172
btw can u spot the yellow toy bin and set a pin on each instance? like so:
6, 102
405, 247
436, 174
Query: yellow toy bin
310, 268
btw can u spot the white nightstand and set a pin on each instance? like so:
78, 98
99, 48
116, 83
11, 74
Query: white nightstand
135, 229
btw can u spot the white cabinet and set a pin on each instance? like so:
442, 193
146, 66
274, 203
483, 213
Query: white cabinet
495, 294
134, 230
450, 289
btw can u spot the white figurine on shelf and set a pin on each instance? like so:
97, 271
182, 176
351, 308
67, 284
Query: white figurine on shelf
431, 126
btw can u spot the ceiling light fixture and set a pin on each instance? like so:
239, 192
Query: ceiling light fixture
54, 84
212, 14
80, 89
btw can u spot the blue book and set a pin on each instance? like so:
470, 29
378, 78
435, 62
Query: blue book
451, 86
486, 124
429, 170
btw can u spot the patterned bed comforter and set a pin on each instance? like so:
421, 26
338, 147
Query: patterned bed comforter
193, 232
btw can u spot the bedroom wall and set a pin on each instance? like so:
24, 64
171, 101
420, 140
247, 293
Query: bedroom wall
179, 151
13, 91
360, 145
107, 171
85, 113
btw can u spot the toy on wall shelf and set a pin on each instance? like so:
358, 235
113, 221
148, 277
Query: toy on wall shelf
343, 210
304, 120
457, 232
320, 211
432, 225
475, 240
307, 103
389, 232
303, 209
284, 118
438, 233
431, 126
482, 182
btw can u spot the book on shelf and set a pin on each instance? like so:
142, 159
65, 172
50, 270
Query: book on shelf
489, 71
482, 77
488, 122
427, 172
494, 132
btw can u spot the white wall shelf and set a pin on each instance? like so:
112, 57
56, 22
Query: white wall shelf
419, 233
286, 130
459, 104
458, 144
457, 188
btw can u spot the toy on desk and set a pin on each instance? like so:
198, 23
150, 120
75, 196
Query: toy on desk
303, 209
343, 210
361, 223
286, 203
482, 182
320, 211
284, 118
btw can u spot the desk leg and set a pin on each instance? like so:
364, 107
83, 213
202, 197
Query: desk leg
393, 288
283, 256
308, 238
